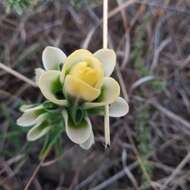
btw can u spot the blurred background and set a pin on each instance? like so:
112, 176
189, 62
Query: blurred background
150, 147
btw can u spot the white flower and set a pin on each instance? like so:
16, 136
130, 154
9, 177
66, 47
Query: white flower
78, 84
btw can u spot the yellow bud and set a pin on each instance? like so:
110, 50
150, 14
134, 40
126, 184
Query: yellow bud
82, 75
86, 73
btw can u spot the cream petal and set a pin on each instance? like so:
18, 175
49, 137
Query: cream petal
79, 56
30, 108
24, 107
119, 108
110, 91
45, 84
37, 131
72, 59
38, 73
28, 119
77, 135
108, 58
88, 143
79, 89
52, 57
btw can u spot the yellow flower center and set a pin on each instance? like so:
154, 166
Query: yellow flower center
83, 71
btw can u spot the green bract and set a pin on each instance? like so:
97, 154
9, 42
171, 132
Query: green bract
76, 87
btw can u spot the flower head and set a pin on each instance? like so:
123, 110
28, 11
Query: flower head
78, 85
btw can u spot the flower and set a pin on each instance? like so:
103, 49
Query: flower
34, 116
82, 75
79, 85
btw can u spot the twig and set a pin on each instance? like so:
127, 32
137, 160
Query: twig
169, 8
17, 75
11, 161
176, 171
140, 160
171, 115
126, 50
105, 46
34, 174
127, 171
110, 15
115, 177
158, 51
122, 83
50, 162
141, 81
121, 7
88, 38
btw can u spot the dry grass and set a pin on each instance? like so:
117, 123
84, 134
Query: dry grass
150, 146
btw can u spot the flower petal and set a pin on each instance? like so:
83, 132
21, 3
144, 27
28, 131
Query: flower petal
52, 57
73, 58
38, 73
26, 119
30, 107
108, 58
45, 84
39, 130
29, 118
110, 91
79, 89
78, 134
88, 143
25, 107
119, 108
79, 56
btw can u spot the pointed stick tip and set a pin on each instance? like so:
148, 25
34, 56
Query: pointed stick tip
107, 146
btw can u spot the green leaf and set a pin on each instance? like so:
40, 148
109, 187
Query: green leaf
38, 131
96, 111
77, 115
54, 117
57, 88
78, 125
18, 5
58, 147
49, 105
51, 139
59, 66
